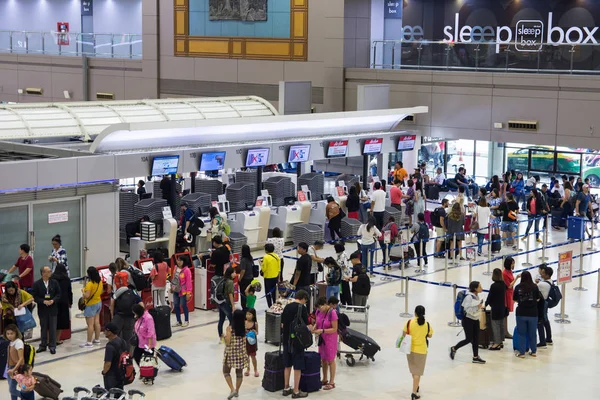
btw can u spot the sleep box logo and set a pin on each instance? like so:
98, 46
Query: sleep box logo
529, 35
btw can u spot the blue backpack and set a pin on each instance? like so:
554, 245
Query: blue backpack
459, 310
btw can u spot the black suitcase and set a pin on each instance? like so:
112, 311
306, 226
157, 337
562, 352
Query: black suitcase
557, 219
47, 387
496, 243
434, 192
273, 376
310, 381
485, 335
359, 341
3, 355
162, 321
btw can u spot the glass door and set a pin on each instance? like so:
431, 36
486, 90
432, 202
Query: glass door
57, 218
15, 232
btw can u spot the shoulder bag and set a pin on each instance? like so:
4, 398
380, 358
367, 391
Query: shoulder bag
82, 303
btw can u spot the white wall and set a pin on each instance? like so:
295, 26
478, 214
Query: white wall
110, 16
101, 228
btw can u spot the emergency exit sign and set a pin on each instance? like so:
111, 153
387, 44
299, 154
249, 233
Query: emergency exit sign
393, 9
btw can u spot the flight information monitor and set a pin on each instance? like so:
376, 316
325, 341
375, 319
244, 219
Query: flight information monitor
212, 161
406, 142
373, 146
257, 157
337, 148
165, 165
299, 153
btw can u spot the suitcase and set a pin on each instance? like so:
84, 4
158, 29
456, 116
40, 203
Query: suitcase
321, 290
428, 219
485, 335
310, 381
468, 220
362, 342
148, 367
516, 341
557, 220
171, 358
312, 299
46, 386
273, 376
575, 228
434, 192
3, 356
272, 328
162, 321
496, 243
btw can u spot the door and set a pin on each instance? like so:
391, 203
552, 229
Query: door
57, 218
14, 233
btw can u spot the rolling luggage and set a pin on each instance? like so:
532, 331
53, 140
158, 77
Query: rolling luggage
485, 335
148, 368
310, 381
321, 289
361, 342
272, 328
273, 376
171, 358
434, 192
46, 386
576, 228
162, 321
428, 219
516, 341
468, 220
496, 243
557, 220
3, 356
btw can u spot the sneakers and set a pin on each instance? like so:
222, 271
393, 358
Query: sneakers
41, 349
186, 323
542, 346
232, 395
288, 392
549, 342
538, 240
478, 360
299, 395
95, 342
85, 345
452, 353
176, 325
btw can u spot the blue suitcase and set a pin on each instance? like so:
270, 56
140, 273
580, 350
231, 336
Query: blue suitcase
310, 381
171, 358
516, 341
576, 228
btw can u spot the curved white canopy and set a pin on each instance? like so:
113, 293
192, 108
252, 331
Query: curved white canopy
88, 119
168, 135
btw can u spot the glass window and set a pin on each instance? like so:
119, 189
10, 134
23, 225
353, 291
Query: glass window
482, 161
460, 153
540, 160
568, 163
432, 152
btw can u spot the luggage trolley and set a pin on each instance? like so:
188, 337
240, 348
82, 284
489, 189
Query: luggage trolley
356, 338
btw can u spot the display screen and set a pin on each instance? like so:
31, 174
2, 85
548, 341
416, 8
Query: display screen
373, 146
406, 142
105, 274
147, 266
299, 153
257, 157
337, 148
166, 165
212, 161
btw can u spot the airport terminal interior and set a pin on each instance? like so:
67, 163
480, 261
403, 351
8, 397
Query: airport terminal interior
436, 140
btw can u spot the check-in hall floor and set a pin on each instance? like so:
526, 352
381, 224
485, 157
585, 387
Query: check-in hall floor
568, 369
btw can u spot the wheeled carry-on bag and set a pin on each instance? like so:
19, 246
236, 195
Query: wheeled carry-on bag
361, 342
162, 321
496, 243
557, 218
485, 335
434, 192
171, 358
310, 381
516, 341
148, 368
273, 376
46, 386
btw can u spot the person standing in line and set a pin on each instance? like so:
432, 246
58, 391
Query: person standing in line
544, 328
438, 220
378, 204
58, 255
496, 300
368, 235
123, 315
226, 308
293, 352
333, 278
333, 213
302, 273
13, 299
234, 355
278, 242
473, 306
583, 206
65, 302
482, 216
344, 262
455, 229
181, 287
510, 220
419, 202
545, 205
145, 331
111, 371
534, 213
409, 201
420, 238
271, 265
494, 202
392, 227
420, 332
15, 357
361, 284
396, 195
220, 256
527, 295
24, 265
316, 260
326, 329
517, 188
251, 325
158, 275
246, 273
353, 203
509, 280
91, 294
46, 293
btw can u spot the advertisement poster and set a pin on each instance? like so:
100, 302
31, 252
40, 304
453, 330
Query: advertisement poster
565, 267
340, 191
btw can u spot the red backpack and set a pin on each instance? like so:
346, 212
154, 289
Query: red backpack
127, 368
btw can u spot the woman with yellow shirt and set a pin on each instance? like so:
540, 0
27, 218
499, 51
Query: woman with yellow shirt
271, 266
93, 303
420, 331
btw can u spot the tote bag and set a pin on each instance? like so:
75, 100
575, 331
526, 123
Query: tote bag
26, 321
404, 342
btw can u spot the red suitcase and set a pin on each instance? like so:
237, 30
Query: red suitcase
428, 219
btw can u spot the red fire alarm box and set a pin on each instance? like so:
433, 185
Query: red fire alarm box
62, 33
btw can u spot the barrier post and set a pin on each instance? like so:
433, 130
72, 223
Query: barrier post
527, 263
406, 314
401, 292
581, 270
516, 241
445, 263
454, 323
545, 242
597, 303
562, 317
489, 252
470, 271
419, 259
592, 238
455, 261
546, 224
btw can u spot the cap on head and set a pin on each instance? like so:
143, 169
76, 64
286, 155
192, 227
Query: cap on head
112, 328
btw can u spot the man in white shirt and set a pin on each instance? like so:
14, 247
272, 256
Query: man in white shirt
378, 204
437, 181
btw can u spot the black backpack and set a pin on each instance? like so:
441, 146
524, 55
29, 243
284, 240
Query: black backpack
435, 217
300, 334
140, 282
125, 302
362, 286
196, 225
554, 295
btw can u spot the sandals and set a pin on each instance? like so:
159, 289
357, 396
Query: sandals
256, 374
324, 383
532, 354
520, 355
329, 386
247, 373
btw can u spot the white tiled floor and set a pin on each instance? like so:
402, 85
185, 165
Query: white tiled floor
566, 370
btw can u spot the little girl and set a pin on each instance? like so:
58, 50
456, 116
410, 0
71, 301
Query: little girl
251, 325
25, 382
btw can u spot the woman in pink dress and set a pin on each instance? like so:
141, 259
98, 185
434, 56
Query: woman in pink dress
326, 328
509, 281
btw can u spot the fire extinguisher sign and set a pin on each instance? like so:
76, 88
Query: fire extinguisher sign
62, 33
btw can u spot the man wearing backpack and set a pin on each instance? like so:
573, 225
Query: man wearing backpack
361, 284
112, 373
294, 316
122, 310
546, 286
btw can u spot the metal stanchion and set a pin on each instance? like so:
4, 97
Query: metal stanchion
455, 323
470, 271
489, 253
527, 263
546, 224
402, 283
455, 260
562, 317
446, 282
581, 270
419, 259
516, 241
592, 238
597, 303
406, 314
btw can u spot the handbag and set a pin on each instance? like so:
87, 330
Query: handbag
25, 322
82, 303
482, 320
404, 342
475, 223
134, 340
